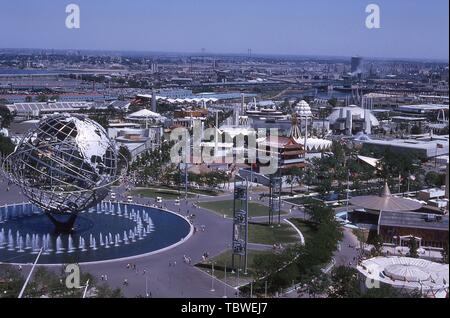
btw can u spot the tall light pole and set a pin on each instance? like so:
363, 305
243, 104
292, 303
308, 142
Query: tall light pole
348, 192
188, 146
265, 289
212, 277
225, 284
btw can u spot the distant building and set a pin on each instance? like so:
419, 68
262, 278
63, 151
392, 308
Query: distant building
424, 149
136, 138
356, 66
352, 119
290, 153
65, 97
36, 110
187, 113
423, 109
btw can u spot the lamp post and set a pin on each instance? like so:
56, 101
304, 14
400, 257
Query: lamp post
265, 289
225, 283
212, 277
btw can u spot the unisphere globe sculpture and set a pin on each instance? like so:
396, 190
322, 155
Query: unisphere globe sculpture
64, 165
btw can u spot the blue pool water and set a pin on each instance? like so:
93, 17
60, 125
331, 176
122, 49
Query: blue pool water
108, 231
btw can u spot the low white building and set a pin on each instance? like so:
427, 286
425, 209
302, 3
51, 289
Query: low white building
428, 194
429, 278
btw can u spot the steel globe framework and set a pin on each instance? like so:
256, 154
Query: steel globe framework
65, 165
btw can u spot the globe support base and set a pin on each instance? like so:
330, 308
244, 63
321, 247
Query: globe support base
64, 227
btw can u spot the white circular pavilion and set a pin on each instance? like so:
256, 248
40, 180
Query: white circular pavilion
430, 278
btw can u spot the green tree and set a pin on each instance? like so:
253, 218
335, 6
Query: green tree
333, 102
5, 117
42, 98
11, 281
6, 145
345, 283
377, 242
413, 247
416, 130
387, 291
292, 175
124, 157
433, 179
101, 119
318, 284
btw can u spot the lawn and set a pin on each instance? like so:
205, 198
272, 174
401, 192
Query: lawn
224, 259
263, 233
171, 194
226, 207
163, 193
302, 200
307, 228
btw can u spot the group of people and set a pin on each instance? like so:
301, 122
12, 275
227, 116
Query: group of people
131, 266
205, 256
187, 260
277, 246
135, 269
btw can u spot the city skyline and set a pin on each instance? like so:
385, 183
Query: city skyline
266, 29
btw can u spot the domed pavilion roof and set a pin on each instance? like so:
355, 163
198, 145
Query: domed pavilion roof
302, 109
385, 202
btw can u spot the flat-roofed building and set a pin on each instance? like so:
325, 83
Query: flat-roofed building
422, 109
34, 110
430, 229
424, 149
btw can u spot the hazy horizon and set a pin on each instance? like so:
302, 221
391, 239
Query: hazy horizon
410, 29
211, 54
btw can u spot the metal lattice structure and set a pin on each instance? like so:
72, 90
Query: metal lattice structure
275, 198
65, 164
240, 222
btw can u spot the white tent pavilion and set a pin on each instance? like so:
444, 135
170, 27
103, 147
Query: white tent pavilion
145, 114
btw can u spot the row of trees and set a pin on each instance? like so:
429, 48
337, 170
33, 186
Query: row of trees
155, 167
300, 263
331, 172
49, 283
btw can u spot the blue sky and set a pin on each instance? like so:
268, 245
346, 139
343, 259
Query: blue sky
409, 28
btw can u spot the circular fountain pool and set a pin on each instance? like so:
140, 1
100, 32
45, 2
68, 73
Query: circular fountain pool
109, 231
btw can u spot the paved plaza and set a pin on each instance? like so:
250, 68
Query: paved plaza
165, 274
